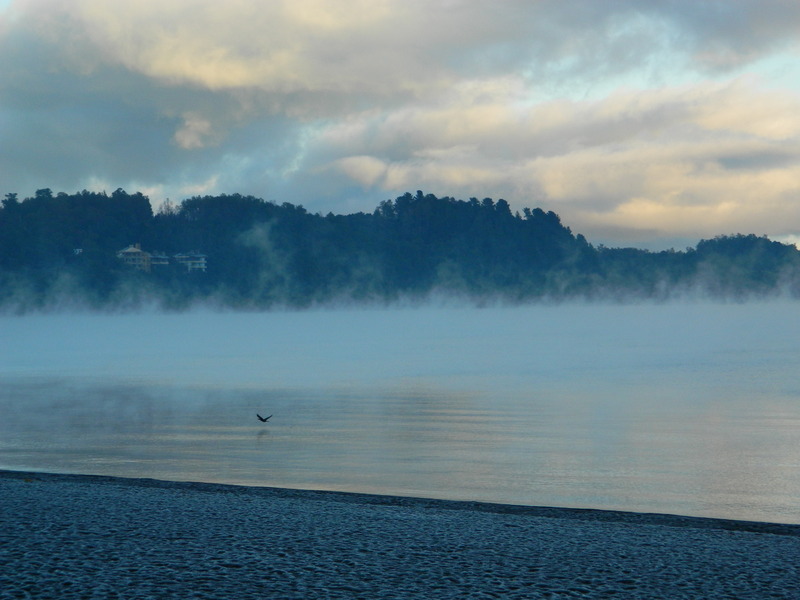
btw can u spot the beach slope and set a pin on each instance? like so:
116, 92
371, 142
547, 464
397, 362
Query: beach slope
73, 536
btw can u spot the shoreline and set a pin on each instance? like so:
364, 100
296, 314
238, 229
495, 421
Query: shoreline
77, 536
554, 512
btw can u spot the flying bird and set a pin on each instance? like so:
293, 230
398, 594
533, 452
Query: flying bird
263, 419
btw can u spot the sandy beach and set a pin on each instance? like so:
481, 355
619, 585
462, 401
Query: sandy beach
74, 536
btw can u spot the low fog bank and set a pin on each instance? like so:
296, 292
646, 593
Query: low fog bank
326, 347
65, 298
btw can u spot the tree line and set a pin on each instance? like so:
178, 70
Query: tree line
62, 250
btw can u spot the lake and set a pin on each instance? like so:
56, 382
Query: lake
686, 408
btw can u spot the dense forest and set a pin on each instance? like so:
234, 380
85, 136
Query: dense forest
66, 250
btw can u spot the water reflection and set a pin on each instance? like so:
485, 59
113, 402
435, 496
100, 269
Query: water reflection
629, 454
678, 409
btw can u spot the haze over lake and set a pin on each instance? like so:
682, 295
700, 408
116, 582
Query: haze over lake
687, 408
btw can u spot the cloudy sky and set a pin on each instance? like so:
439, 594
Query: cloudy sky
640, 122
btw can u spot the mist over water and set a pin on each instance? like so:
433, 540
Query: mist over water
687, 408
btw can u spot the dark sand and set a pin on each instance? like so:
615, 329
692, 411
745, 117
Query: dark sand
74, 536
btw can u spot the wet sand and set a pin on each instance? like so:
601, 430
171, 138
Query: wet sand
78, 536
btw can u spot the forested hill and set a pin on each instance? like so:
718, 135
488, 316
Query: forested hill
62, 250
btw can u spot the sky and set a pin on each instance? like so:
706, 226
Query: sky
641, 123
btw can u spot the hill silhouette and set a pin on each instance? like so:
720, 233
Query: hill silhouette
247, 253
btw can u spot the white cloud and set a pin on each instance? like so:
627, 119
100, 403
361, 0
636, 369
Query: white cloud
668, 117
366, 170
679, 160
195, 132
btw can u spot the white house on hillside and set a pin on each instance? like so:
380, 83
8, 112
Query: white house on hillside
193, 261
137, 258
134, 256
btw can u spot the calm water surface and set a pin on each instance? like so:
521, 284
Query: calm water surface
685, 408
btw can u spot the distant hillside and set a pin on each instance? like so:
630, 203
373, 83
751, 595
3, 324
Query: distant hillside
243, 252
